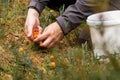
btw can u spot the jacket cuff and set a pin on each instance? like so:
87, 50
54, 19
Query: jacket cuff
37, 6
64, 24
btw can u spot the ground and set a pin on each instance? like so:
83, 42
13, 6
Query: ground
22, 59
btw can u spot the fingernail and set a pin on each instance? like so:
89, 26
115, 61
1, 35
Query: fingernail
28, 35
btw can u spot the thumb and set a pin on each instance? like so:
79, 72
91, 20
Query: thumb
40, 29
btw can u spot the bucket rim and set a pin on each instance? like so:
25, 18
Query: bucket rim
94, 19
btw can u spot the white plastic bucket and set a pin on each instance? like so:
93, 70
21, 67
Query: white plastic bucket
110, 21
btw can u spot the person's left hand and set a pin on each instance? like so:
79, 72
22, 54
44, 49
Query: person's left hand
51, 35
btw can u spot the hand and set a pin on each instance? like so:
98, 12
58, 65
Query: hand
50, 36
31, 23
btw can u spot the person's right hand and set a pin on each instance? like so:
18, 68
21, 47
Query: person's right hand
32, 22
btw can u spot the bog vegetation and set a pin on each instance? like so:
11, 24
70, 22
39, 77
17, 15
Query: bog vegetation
22, 59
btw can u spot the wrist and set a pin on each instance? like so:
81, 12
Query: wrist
33, 12
59, 28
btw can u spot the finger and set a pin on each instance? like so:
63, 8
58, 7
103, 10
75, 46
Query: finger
26, 32
46, 42
40, 29
40, 42
51, 45
29, 32
42, 36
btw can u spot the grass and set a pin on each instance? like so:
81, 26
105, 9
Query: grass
72, 61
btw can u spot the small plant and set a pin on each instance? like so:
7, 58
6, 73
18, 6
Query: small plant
52, 58
52, 65
21, 50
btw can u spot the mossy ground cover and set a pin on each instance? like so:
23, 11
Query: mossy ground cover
22, 59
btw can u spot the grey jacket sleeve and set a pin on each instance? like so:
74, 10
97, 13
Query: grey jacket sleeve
39, 5
74, 15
